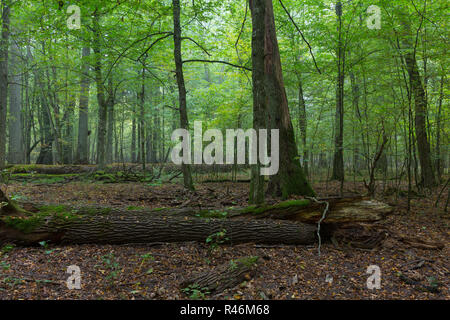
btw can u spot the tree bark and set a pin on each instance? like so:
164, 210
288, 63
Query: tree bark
15, 146
258, 9
4, 44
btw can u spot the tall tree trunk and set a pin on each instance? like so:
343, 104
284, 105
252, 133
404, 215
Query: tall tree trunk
258, 10
4, 43
15, 146
427, 175
102, 104
187, 176
338, 159
82, 156
290, 178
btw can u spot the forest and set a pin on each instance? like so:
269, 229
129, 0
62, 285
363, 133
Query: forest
224, 150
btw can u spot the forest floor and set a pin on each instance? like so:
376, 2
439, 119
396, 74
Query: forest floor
155, 271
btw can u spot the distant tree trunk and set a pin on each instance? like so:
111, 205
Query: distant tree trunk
258, 10
82, 156
338, 159
302, 121
357, 161
142, 121
102, 104
290, 178
15, 146
68, 130
133, 135
187, 176
4, 43
111, 122
47, 137
28, 112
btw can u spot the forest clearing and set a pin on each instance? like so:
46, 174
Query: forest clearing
224, 150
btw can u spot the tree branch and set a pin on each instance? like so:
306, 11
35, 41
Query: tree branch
218, 61
303, 37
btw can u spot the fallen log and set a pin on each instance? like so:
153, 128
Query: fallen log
139, 228
263, 225
223, 277
341, 210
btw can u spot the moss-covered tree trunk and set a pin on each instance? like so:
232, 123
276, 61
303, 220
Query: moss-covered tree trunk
141, 228
259, 224
290, 179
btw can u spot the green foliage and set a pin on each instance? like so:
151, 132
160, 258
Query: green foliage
7, 248
5, 266
216, 239
113, 268
194, 292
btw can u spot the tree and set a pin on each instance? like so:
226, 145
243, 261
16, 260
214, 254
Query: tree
15, 145
82, 155
290, 178
4, 45
101, 97
184, 122
428, 178
338, 158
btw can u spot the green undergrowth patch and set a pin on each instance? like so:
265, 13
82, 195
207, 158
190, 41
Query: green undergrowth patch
248, 262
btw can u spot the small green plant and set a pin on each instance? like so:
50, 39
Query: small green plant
18, 197
7, 248
216, 239
146, 257
44, 244
5, 266
110, 262
194, 292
